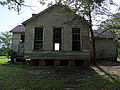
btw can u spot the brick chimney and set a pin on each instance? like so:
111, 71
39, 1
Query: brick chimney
34, 15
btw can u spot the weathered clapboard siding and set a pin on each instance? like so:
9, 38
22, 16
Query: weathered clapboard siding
57, 55
16, 41
19, 55
57, 17
105, 48
17, 45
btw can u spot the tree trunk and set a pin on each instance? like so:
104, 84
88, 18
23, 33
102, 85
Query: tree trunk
12, 59
93, 47
92, 39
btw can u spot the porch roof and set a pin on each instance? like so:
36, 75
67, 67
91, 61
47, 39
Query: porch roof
18, 29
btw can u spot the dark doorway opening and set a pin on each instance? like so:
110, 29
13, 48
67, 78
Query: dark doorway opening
18, 60
64, 62
57, 39
49, 62
78, 62
36, 62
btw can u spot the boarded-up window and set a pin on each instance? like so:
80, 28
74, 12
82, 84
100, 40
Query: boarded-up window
38, 39
57, 39
76, 39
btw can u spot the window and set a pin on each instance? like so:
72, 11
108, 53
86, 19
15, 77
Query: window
38, 39
57, 39
76, 39
78, 62
22, 38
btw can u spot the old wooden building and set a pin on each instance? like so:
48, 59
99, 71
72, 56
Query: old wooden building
105, 45
55, 36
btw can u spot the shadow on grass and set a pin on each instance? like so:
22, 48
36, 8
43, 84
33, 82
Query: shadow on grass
18, 77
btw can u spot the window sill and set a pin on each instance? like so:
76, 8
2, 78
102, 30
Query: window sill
38, 50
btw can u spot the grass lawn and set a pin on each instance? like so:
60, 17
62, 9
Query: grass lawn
99, 84
3, 59
21, 77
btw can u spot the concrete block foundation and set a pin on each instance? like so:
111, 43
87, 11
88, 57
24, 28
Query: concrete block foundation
71, 62
42, 62
86, 62
56, 62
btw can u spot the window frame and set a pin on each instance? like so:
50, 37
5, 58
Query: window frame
22, 38
57, 37
76, 39
38, 39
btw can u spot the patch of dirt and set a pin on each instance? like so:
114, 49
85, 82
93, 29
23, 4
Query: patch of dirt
109, 69
38, 72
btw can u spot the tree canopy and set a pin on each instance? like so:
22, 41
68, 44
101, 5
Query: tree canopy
13, 4
5, 41
112, 24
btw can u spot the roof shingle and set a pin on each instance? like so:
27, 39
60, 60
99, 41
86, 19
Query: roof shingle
102, 34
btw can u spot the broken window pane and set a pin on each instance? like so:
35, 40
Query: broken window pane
76, 39
38, 39
57, 39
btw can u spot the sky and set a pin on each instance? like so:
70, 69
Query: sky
10, 18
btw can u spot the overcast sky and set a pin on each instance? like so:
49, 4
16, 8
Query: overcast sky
9, 18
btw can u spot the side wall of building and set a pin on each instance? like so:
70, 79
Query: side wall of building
105, 49
16, 37
16, 41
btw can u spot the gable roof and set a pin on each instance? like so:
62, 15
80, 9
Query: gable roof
18, 28
43, 12
49, 9
102, 34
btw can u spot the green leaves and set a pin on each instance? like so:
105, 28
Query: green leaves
112, 24
5, 39
13, 4
3, 3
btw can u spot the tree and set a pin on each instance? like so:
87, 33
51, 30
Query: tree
94, 8
5, 40
13, 4
112, 24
